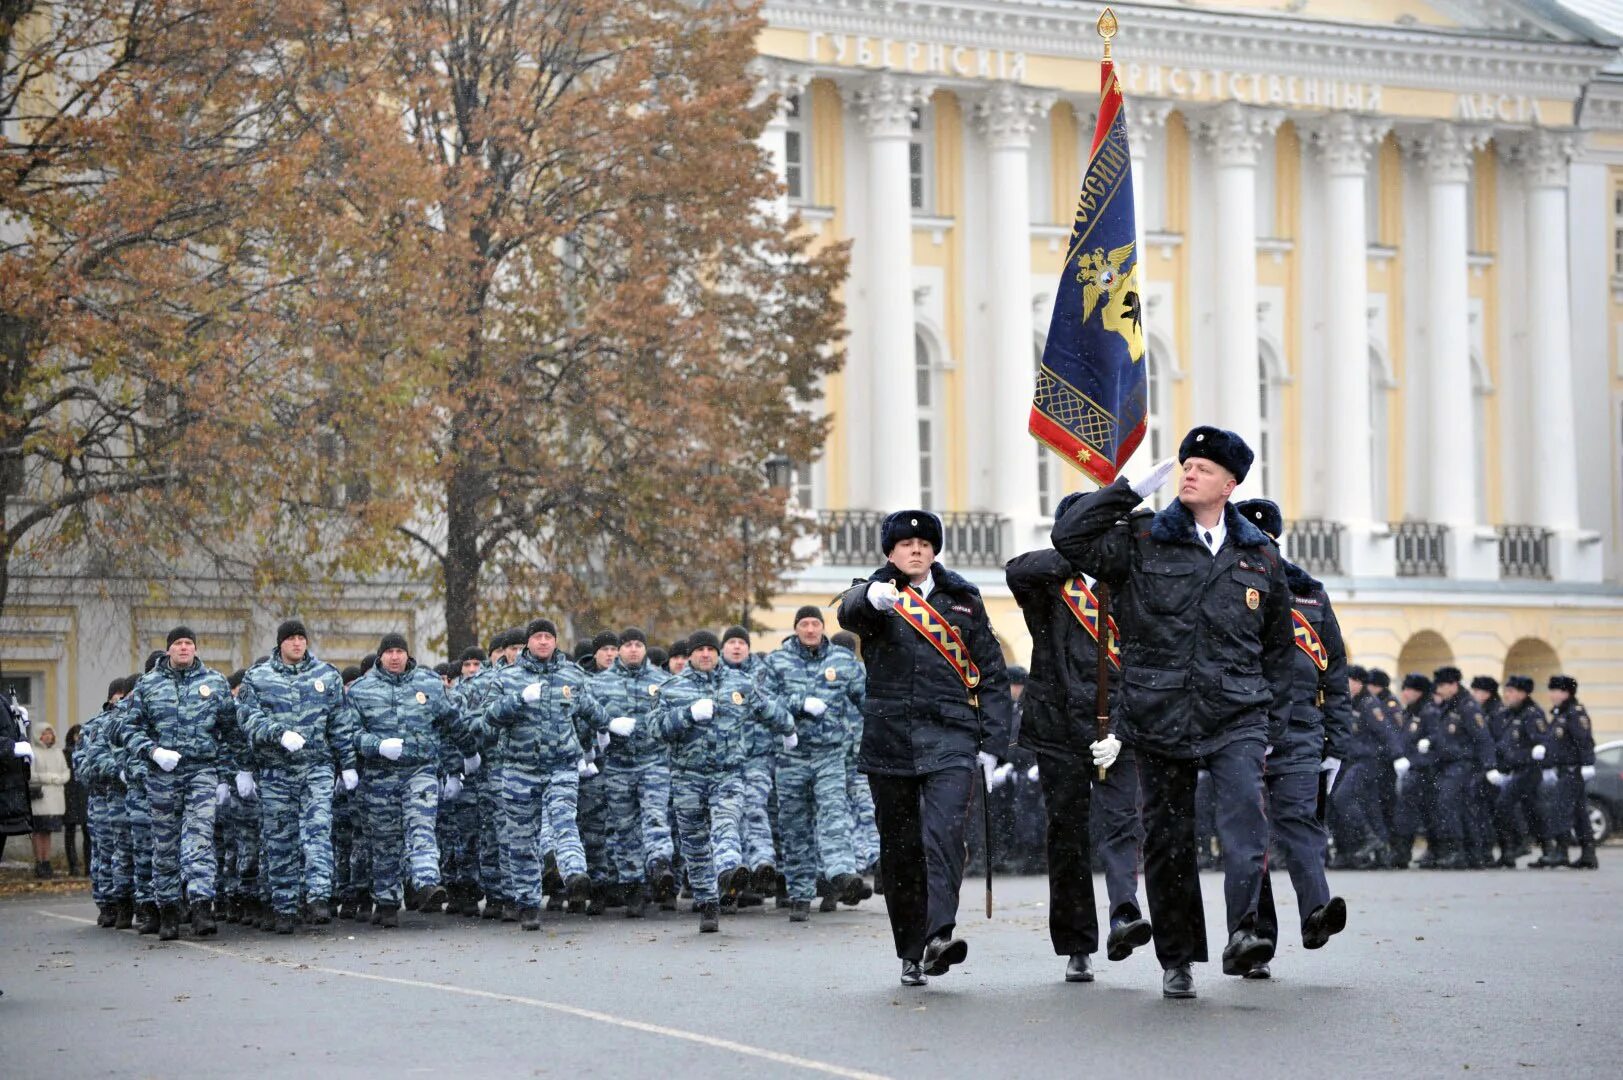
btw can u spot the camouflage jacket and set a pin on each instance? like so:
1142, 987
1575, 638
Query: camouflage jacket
741, 706
412, 707
308, 697
190, 712
830, 674
550, 733
633, 692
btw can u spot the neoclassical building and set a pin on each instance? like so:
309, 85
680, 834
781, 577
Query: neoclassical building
1382, 239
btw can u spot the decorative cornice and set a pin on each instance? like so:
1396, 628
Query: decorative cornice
778, 77
1542, 156
1235, 132
1409, 56
1445, 151
884, 104
1146, 121
1345, 141
1007, 114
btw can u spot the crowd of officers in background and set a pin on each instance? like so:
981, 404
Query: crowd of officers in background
513, 779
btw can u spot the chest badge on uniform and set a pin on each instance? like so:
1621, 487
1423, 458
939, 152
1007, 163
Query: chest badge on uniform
567, 691
1452, 729
738, 698
422, 698
653, 691
1253, 599
204, 691
321, 687
830, 674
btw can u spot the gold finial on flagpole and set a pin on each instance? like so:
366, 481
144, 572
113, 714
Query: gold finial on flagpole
1107, 29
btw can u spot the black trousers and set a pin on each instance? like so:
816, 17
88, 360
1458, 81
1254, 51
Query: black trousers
1171, 876
1299, 834
921, 852
1075, 802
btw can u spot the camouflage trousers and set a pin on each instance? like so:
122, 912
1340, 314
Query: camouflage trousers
705, 803
814, 819
529, 798
754, 820
351, 857
592, 818
138, 812
639, 799
295, 832
112, 862
183, 807
458, 830
401, 803
864, 826
494, 877
239, 842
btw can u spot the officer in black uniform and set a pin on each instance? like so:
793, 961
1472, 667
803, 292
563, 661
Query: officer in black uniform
1517, 810
1482, 824
1304, 757
1360, 824
1380, 688
925, 729
1569, 750
1060, 726
1200, 596
1453, 738
1417, 777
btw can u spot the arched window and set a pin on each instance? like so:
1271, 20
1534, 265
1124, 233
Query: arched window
1269, 431
928, 390
1377, 437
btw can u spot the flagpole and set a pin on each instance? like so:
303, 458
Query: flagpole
1107, 29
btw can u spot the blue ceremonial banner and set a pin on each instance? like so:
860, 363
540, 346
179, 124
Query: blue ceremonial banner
1090, 401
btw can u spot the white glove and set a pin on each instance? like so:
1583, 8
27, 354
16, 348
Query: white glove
1549, 776
1539, 752
622, 726
351, 779
1105, 751
1496, 778
813, 706
1400, 765
245, 785
1031, 774
703, 709
222, 792
292, 741
587, 768
1331, 765
470, 765
453, 788
1146, 484
1424, 746
1000, 776
392, 748
23, 750
165, 759
602, 740
1587, 772
1268, 751
988, 765
790, 741
532, 693
883, 595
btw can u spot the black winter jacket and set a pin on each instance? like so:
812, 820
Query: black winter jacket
918, 717
1061, 696
1206, 639
1320, 713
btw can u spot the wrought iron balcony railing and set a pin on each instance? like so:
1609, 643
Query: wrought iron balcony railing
973, 538
1421, 548
1524, 552
1315, 546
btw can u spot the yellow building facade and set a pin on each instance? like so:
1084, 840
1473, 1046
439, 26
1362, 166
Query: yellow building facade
1381, 240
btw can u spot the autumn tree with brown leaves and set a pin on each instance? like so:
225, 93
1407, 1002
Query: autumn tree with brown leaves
597, 327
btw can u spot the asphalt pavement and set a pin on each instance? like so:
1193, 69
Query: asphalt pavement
1496, 973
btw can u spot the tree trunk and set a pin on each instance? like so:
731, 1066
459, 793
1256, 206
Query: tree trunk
462, 564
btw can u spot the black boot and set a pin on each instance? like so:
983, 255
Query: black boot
1398, 852
284, 924
799, 910
662, 879
390, 916
1553, 856
1079, 968
636, 900
203, 924
529, 918
709, 917
363, 906
1323, 923
431, 899
599, 901
1586, 857
169, 922
125, 915
104, 916
493, 908
319, 913
1129, 929
147, 920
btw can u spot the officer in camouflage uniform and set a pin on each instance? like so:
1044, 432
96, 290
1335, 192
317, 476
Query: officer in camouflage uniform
182, 719
352, 866
237, 834
299, 730
636, 776
592, 814
473, 695
112, 861
865, 829
1569, 751
138, 810
543, 709
754, 822
402, 712
704, 715
821, 687
460, 842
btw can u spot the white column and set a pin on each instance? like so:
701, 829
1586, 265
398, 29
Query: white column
1345, 142
1146, 125
1234, 135
883, 106
1005, 116
1544, 157
1445, 152
775, 78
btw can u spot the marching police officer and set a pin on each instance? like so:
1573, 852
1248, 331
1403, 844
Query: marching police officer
1059, 726
1518, 809
1569, 750
1204, 607
1417, 785
1453, 734
937, 703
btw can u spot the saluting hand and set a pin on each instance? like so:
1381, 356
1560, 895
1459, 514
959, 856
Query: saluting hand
1148, 483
